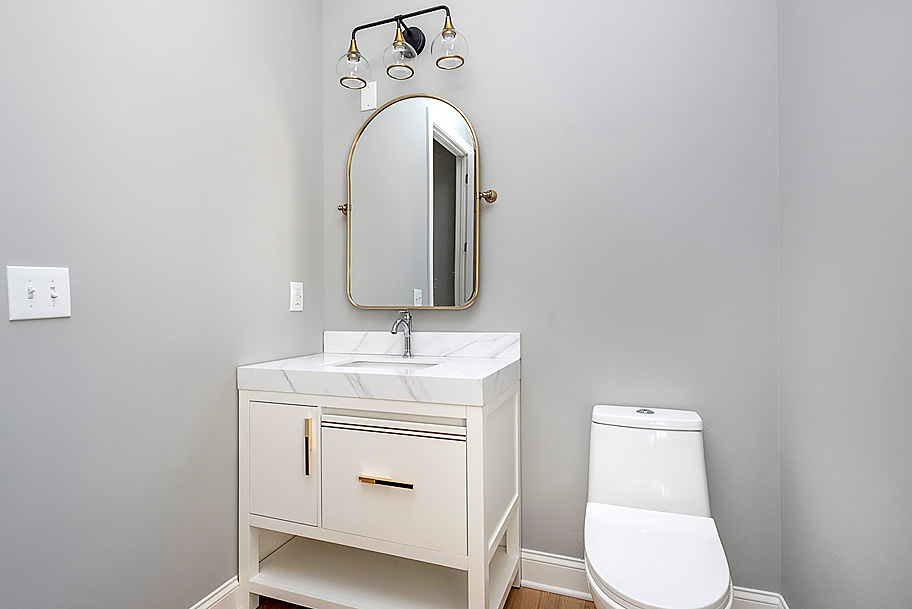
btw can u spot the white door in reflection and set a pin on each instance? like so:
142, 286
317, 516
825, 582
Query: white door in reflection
451, 205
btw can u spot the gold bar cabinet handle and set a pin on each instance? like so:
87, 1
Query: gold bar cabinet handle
385, 482
308, 444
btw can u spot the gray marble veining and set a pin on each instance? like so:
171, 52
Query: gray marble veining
432, 344
455, 373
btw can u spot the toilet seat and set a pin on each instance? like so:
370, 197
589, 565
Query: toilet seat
643, 559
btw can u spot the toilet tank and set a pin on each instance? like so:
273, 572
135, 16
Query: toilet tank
648, 458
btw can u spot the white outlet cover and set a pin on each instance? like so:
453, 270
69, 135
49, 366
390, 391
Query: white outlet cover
369, 97
49, 288
296, 296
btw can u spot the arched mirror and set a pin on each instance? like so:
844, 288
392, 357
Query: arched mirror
413, 207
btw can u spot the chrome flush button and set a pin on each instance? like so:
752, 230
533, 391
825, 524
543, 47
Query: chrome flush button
644, 411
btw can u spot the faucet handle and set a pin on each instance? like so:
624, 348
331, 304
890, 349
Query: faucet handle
405, 314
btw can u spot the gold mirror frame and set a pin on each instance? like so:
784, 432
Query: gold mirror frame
347, 208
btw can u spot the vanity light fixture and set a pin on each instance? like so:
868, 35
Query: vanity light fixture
400, 58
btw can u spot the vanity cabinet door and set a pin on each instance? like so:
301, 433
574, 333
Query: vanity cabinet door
284, 468
398, 484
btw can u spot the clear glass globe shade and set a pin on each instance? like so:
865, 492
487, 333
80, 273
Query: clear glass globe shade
400, 60
449, 49
353, 71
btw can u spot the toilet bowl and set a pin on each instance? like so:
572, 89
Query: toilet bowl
650, 542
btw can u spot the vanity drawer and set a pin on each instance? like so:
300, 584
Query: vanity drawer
395, 481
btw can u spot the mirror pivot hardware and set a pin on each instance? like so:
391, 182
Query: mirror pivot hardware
343, 209
489, 195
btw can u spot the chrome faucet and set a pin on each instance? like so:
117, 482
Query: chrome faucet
405, 319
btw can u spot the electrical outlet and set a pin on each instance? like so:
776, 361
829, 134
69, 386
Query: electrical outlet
296, 296
417, 298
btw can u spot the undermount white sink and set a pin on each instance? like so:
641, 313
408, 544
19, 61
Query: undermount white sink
400, 365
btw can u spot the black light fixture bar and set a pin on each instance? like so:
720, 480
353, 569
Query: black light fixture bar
405, 29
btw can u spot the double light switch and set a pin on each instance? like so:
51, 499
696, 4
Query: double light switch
38, 292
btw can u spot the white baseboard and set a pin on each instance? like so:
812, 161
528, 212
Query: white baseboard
554, 573
567, 576
225, 597
746, 598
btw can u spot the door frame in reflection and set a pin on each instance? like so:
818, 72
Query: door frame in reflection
464, 155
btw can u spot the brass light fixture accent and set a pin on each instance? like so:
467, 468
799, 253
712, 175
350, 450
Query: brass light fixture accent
449, 49
353, 69
400, 58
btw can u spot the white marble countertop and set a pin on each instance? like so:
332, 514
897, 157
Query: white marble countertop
438, 373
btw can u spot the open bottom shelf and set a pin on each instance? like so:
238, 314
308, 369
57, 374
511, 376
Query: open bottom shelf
329, 576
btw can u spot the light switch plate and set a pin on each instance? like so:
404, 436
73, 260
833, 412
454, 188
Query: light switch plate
38, 292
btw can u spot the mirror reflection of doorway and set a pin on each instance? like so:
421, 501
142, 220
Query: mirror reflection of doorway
445, 252
451, 215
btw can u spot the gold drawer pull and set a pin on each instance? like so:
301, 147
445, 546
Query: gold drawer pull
308, 444
385, 482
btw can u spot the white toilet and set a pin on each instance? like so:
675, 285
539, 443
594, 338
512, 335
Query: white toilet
650, 541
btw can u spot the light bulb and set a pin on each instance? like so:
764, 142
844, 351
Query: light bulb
353, 69
449, 48
400, 58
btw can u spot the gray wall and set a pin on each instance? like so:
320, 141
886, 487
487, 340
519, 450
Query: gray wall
634, 243
170, 155
846, 133
168, 152
387, 211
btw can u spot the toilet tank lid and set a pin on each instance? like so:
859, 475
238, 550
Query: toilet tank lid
647, 418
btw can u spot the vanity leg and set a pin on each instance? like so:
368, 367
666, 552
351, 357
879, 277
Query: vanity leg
478, 588
248, 537
513, 549
478, 574
514, 530
248, 566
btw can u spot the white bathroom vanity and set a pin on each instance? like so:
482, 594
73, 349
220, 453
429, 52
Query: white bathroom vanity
372, 481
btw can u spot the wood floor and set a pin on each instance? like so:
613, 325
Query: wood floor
527, 598
520, 598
